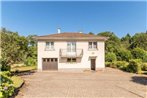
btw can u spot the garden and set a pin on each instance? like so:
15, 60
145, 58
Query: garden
19, 56
11, 80
128, 53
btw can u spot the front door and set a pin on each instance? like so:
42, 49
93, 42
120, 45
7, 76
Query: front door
71, 48
92, 64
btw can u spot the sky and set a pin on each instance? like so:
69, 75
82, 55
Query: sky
44, 17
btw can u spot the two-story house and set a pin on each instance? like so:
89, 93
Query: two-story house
71, 50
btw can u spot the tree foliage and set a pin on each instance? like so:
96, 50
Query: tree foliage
126, 41
125, 48
124, 55
113, 43
110, 57
139, 53
15, 48
91, 33
139, 40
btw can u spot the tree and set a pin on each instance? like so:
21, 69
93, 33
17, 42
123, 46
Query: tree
31, 57
17, 49
113, 43
139, 53
31, 41
9, 48
91, 33
124, 55
139, 40
126, 41
110, 57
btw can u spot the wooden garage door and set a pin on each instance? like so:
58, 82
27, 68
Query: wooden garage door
49, 63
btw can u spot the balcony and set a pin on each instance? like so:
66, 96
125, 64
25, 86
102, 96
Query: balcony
67, 53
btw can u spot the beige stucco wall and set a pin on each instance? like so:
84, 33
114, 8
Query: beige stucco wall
84, 62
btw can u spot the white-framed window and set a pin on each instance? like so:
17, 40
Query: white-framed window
92, 45
71, 60
71, 46
49, 46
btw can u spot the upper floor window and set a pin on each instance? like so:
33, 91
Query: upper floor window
92, 45
49, 46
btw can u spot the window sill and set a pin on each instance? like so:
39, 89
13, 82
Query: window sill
71, 62
93, 49
50, 49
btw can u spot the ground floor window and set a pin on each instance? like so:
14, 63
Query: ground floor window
71, 60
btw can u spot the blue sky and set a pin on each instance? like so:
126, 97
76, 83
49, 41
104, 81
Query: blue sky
44, 17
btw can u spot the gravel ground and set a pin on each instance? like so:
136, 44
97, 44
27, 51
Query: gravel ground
110, 83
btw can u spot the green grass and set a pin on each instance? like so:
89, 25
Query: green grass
18, 81
23, 68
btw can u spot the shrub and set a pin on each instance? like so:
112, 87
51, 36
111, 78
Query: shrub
145, 57
121, 64
144, 66
108, 64
113, 65
6, 88
30, 61
124, 55
134, 66
139, 53
110, 57
4, 66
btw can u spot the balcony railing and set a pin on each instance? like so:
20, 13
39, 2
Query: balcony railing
67, 53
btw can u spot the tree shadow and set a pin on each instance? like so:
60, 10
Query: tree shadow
23, 73
16, 91
140, 79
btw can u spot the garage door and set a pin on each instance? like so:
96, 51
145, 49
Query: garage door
49, 63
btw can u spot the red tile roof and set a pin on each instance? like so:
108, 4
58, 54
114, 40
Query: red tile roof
71, 36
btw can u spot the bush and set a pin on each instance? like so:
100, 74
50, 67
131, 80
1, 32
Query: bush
145, 57
124, 55
110, 64
113, 65
30, 61
6, 88
144, 66
121, 65
110, 57
134, 66
4, 66
139, 53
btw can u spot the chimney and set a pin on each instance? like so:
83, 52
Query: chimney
80, 32
59, 30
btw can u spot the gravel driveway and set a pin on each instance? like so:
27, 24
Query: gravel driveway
110, 83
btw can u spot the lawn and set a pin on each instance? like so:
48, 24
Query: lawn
23, 68
17, 81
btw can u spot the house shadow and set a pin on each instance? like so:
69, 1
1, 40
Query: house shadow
140, 79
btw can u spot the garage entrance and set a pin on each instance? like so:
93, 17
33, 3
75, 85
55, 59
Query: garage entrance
50, 64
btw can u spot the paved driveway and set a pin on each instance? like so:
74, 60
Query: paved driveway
108, 83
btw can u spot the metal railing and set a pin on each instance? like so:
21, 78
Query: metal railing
67, 53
